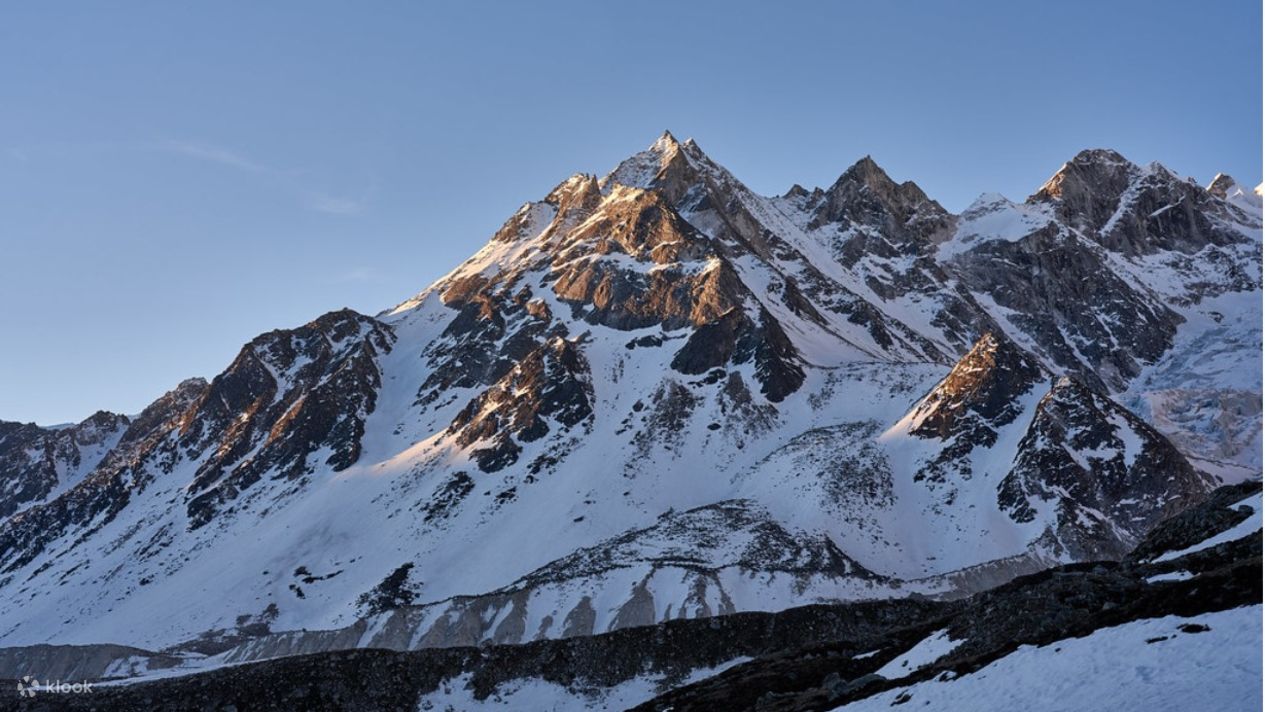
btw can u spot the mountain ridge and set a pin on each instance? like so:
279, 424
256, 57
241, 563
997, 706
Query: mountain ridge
659, 342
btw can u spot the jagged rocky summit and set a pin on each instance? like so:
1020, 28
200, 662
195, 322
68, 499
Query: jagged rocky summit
657, 395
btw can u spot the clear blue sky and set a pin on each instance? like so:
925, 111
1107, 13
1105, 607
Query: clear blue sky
176, 178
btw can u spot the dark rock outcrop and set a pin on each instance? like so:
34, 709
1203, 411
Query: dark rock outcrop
1077, 311
35, 460
980, 393
146, 449
287, 394
1113, 476
735, 338
901, 219
552, 383
1135, 210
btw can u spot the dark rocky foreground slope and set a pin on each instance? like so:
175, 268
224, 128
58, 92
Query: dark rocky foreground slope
1042, 609
809, 658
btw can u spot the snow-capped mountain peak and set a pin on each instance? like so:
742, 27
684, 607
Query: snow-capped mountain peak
1228, 189
660, 394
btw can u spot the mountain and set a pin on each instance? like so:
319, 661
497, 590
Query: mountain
657, 395
38, 463
1225, 187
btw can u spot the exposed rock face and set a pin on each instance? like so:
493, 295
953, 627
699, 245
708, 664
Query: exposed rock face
984, 393
886, 235
1062, 451
1098, 269
1219, 512
735, 338
1245, 198
656, 394
1087, 189
287, 395
889, 219
1082, 316
642, 226
980, 391
552, 383
1135, 210
1112, 475
490, 333
35, 461
29, 473
145, 450
1222, 185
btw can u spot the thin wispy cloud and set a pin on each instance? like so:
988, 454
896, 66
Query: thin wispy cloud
359, 274
215, 154
319, 201
297, 183
336, 205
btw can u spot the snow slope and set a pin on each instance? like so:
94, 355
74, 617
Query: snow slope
1147, 665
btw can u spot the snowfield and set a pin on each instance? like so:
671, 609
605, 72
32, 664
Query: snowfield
1143, 666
